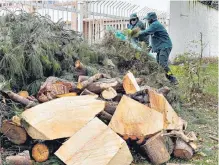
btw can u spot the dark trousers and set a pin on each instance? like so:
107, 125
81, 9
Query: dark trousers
162, 58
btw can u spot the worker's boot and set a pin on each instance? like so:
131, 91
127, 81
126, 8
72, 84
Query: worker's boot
172, 78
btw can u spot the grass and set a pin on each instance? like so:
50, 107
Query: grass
202, 118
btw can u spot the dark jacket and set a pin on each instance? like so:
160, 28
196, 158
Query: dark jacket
159, 37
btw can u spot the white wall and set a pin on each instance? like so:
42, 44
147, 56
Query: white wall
187, 20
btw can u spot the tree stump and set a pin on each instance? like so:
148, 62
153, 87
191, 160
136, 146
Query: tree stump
182, 150
14, 133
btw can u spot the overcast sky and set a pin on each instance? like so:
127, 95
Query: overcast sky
155, 4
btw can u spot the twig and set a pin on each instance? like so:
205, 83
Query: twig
214, 138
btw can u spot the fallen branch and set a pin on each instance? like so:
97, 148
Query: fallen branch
214, 138
179, 134
92, 79
17, 98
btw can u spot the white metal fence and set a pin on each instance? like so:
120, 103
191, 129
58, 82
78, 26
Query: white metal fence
88, 16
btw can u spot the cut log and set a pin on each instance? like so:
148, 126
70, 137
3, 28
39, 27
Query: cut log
156, 150
19, 159
92, 79
159, 103
82, 78
135, 119
62, 117
99, 145
24, 94
67, 95
14, 133
110, 107
130, 84
182, 150
40, 152
109, 93
101, 85
105, 116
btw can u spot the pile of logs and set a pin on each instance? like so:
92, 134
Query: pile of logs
96, 117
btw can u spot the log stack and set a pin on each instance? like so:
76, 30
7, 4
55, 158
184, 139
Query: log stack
96, 117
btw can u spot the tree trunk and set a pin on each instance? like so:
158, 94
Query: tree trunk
109, 93
156, 149
40, 152
182, 150
14, 133
110, 107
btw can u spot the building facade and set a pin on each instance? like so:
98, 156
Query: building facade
189, 21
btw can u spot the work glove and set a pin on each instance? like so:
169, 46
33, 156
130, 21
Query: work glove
135, 32
149, 48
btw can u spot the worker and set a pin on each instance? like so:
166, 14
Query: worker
160, 43
136, 23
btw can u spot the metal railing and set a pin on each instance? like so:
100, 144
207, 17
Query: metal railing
88, 16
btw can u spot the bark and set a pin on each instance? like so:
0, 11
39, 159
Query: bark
110, 107
105, 116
